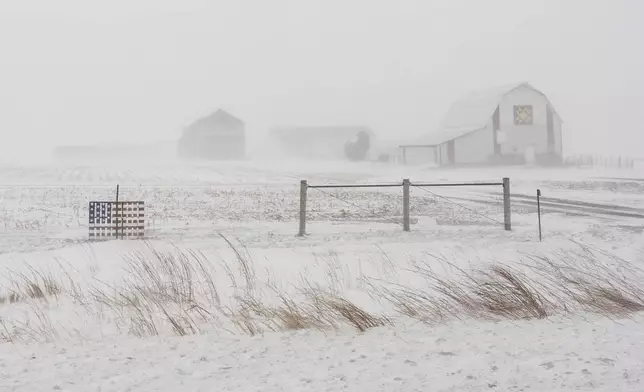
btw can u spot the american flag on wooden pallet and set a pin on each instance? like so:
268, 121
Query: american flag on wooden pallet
116, 219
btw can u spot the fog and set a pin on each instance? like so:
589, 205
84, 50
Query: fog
78, 72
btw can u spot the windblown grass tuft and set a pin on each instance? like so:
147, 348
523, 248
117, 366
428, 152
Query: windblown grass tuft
182, 292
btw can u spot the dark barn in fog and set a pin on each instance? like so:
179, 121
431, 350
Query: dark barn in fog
219, 136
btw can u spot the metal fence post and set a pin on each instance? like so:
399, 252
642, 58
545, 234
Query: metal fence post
303, 193
506, 204
116, 221
406, 204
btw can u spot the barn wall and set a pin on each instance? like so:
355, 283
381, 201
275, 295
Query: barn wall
316, 146
442, 154
520, 137
475, 147
421, 155
213, 146
558, 136
320, 144
216, 137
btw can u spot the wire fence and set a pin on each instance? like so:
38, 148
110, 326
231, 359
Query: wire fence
384, 203
36, 208
355, 205
57, 213
601, 161
486, 216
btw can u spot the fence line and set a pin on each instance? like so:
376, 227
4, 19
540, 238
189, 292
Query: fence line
405, 184
462, 206
65, 208
350, 204
442, 184
149, 185
601, 161
355, 186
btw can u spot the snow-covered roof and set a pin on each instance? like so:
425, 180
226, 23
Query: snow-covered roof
470, 113
437, 137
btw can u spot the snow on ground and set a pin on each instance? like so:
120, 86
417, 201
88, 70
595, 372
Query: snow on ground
355, 241
46, 207
545, 356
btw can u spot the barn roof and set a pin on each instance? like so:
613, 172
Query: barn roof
216, 118
439, 137
470, 113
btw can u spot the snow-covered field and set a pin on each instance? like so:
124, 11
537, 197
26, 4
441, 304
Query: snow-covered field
222, 294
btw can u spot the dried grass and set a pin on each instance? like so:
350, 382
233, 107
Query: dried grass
177, 292
164, 288
577, 281
35, 285
506, 293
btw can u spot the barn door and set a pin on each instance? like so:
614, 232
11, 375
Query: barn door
496, 127
451, 152
550, 125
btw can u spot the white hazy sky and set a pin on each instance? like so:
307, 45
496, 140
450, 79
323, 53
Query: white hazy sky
81, 71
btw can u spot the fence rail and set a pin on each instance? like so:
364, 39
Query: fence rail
406, 184
355, 186
429, 185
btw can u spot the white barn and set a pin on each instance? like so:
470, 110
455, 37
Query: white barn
511, 124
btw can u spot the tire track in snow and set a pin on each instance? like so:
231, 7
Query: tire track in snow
568, 206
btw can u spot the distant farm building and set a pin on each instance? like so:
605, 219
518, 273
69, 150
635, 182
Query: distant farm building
219, 136
512, 124
323, 143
